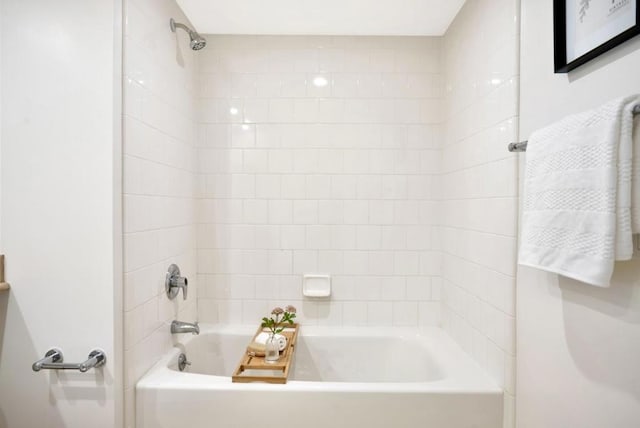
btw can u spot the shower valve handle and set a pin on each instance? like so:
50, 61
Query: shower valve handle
174, 282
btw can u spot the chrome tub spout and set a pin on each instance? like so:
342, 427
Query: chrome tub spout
184, 327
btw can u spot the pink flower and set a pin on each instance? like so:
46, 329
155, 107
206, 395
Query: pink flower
290, 309
277, 311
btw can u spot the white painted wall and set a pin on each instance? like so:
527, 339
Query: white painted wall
578, 345
340, 178
60, 85
327, 17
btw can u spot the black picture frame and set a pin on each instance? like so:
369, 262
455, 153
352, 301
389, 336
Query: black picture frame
561, 65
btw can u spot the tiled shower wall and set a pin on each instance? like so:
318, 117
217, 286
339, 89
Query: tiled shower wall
480, 186
344, 155
159, 182
320, 154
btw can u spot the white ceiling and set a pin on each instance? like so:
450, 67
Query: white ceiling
322, 17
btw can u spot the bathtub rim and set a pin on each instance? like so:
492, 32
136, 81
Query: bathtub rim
463, 375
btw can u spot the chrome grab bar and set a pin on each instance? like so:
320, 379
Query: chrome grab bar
54, 360
53, 355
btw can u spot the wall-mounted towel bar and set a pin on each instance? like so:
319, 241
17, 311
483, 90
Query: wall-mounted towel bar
522, 146
518, 147
54, 360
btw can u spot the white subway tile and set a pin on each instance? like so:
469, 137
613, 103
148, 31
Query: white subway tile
405, 313
268, 85
368, 237
429, 314
354, 313
243, 85
255, 211
369, 187
280, 161
305, 111
305, 261
281, 110
254, 161
267, 287
381, 262
280, 211
330, 60
305, 212
243, 135
267, 237
330, 212
238, 236
394, 187
369, 85
318, 186
330, 313
280, 262
253, 311
406, 263
269, 186
382, 60
331, 262
381, 162
330, 161
293, 187
419, 288
230, 311
356, 212
242, 287
344, 85
318, 237
331, 110
293, 85
343, 187
242, 185
394, 288
293, 237
290, 287
379, 314
318, 85
358, 262
256, 111
343, 237
344, 179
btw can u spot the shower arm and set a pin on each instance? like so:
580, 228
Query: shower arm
175, 25
197, 41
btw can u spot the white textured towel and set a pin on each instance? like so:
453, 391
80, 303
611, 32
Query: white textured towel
581, 193
262, 339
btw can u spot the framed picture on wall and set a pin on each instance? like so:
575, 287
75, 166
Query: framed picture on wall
584, 29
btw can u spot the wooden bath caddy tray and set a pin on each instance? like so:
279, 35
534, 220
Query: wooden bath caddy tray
255, 369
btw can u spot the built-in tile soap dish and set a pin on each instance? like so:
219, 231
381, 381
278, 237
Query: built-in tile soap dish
316, 285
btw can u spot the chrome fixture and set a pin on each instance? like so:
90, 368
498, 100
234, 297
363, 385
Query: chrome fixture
173, 283
197, 41
54, 360
182, 362
184, 327
517, 147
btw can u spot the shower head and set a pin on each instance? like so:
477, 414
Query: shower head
197, 41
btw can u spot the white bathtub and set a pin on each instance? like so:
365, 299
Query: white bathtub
342, 377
